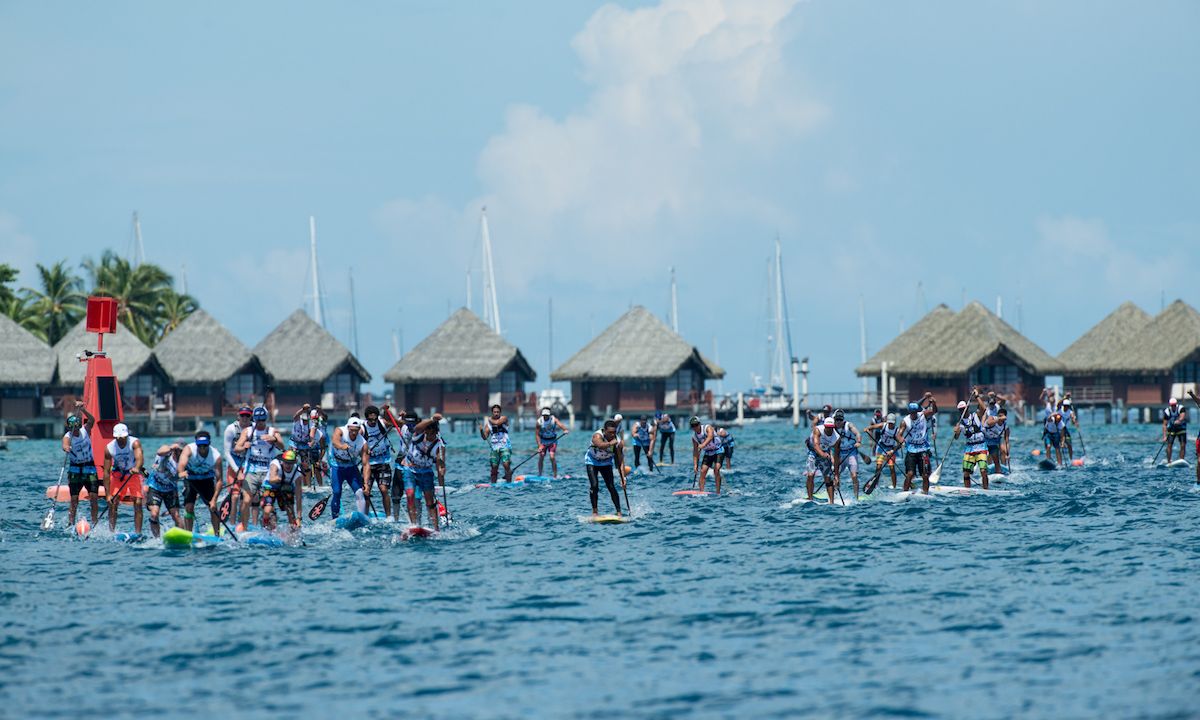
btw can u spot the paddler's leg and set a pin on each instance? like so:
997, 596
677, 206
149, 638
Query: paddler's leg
154, 502
397, 490
554, 460
703, 474
593, 488
607, 472
356, 484
268, 509
137, 515
808, 484
637, 456
431, 504
506, 458
1183, 445
968, 463
717, 472
494, 459
335, 480
111, 501
924, 462
541, 459
414, 515
853, 463
983, 475
381, 475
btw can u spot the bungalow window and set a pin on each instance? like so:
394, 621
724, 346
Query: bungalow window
995, 375
138, 386
1188, 372
340, 385
637, 386
458, 387
683, 380
241, 388
506, 382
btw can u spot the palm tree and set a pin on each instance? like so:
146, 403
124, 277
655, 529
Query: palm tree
19, 307
60, 304
8, 275
140, 292
175, 307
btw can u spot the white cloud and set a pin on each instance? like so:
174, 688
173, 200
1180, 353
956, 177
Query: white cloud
1099, 262
687, 98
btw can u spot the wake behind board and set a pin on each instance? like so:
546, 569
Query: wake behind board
1046, 465
608, 519
1180, 463
692, 493
353, 521
515, 482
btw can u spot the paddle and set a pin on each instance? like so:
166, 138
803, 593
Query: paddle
936, 475
509, 474
316, 510
626, 494
445, 505
48, 521
1160, 449
222, 513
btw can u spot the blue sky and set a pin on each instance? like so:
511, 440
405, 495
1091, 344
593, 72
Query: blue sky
1043, 152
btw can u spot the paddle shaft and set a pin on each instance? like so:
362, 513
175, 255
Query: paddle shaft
48, 522
109, 499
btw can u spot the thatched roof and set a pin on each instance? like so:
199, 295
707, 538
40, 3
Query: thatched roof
24, 358
202, 351
952, 346
301, 351
1098, 349
637, 346
906, 349
128, 354
1167, 340
462, 348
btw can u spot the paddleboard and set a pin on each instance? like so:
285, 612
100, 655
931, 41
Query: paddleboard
178, 538
692, 493
1047, 465
1176, 464
608, 519
973, 490
539, 478
261, 539
353, 521
128, 538
1004, 470
416, 532
501, 483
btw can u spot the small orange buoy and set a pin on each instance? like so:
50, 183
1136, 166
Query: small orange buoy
82, 528
1035, 453
1077, 462
441, 510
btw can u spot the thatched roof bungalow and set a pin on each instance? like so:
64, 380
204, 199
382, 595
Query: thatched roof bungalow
211, 371
144, 384
948, 353
461, 369
638, 365
26, 368
306, 364
1140, 361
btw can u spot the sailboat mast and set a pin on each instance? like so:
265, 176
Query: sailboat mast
139, 250
780, 365
862, 336
674, 304
318, 305
491, 308
353, 316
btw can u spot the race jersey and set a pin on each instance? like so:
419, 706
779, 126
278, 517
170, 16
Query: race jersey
601, 457
286, 481
423, 453
972, 428
379, 447
848, 441
202, 468
80, 454
713, 447
301, 440
1176, 420
350, 456
547, 430
666, 424
826, 442
498, 437
261, 451
1053, 424
165, 476
886, 439
122, 457
641, 434
728, 442
232, 432
995, 434
405, 433
916, 433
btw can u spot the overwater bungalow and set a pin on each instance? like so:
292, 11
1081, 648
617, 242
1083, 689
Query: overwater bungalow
306, 364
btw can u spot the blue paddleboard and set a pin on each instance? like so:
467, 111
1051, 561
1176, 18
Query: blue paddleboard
353, 521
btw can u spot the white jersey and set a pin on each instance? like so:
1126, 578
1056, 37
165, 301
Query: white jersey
350, 456
378, 445
232, 432
80, 454
202, 468
262, 451
123, 459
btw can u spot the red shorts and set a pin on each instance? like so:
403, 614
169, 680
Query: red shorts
133, 489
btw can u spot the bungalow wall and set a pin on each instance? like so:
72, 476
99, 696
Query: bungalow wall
200, 400
19, 402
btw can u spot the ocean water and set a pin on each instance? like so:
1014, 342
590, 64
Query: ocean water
1072, 594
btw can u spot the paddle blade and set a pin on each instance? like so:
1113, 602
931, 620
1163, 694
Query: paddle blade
48, 521
318, 508
936, 475
226, 506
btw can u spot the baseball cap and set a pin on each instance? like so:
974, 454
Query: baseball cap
288, 456
120, 430
694, 421
1172, 401
315, 414
354, 423
829, 422
203, 438
913, 407
962, 404
245, 410
891, 417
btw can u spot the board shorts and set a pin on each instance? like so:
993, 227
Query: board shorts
879, 459
253, 483
169, 498
399, 475
917, 462
204, 488
1052, 439
712, 460
851, 461
977, 459
817, 464
133, 490
348, 474
1182, 434
286, 497
381, 474
728, 453
548, 447
501, 455
421, 480
80, 477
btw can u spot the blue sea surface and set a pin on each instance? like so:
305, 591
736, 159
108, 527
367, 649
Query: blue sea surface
1072, 594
